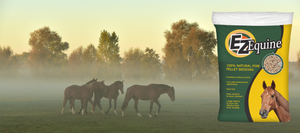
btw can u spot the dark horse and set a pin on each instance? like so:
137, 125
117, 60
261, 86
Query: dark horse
111, 93
151, 92
83, 93
273, 100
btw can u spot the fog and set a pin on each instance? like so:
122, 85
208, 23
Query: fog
27, 88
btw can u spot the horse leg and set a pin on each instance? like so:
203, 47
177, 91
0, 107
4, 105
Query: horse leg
64, 104
125, 103
84, 101
97, 103
86, 107
72, 105
158, 104
115, 101
81, 107
151, 105
109, 100
92, 111
136, 107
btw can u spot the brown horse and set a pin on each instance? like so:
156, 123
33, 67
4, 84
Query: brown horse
151, 92
93, 80
273, 100
112, 93
83, 93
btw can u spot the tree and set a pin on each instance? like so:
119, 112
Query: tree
8, 62
138, 64
75, 64
22, 59
298, 61
152, 67
47, 57
89, 56
131, 66
188, 52
81, 62
108, 57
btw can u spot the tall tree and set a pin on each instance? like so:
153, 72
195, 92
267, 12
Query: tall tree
189, 52
89, 56
47, 57
132, 63
8, 62
138, 64
108, 57
152, 67
75, 63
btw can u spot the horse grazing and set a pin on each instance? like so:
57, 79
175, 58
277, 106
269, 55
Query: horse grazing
111, 93
83, 93
273, 100
151, 92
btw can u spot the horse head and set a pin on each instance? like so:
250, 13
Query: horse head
171, 93
268, 102
119, 85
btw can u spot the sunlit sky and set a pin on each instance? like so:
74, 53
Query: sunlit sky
138, 23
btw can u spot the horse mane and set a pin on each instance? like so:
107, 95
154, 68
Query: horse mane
90, 82
282, 101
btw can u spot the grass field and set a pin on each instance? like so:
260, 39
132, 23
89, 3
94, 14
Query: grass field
37, 107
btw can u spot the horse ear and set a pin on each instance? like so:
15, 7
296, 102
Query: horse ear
122, 81
264, 85
102, 81
273, 85
96, 79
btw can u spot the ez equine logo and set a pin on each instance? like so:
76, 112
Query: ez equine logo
241, 43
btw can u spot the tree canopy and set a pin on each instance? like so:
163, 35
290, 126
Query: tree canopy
138, 64
47, 57
108, 57
188, 52
8, 62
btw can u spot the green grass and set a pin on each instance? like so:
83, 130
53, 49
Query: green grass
193, 111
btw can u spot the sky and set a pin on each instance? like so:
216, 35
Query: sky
137, 23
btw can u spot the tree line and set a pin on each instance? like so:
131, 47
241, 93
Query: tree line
188, 55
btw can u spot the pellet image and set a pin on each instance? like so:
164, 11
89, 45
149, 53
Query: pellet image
273, 64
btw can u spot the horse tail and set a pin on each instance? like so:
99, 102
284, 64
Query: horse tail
126, 99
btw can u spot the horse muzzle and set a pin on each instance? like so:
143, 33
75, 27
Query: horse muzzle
263, 114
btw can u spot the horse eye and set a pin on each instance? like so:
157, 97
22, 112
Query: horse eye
272, 96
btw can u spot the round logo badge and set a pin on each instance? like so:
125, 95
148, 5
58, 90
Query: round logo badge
237, 43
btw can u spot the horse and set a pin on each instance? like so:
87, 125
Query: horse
83, 93
112, 93
150, 92
273, 100
93, 80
